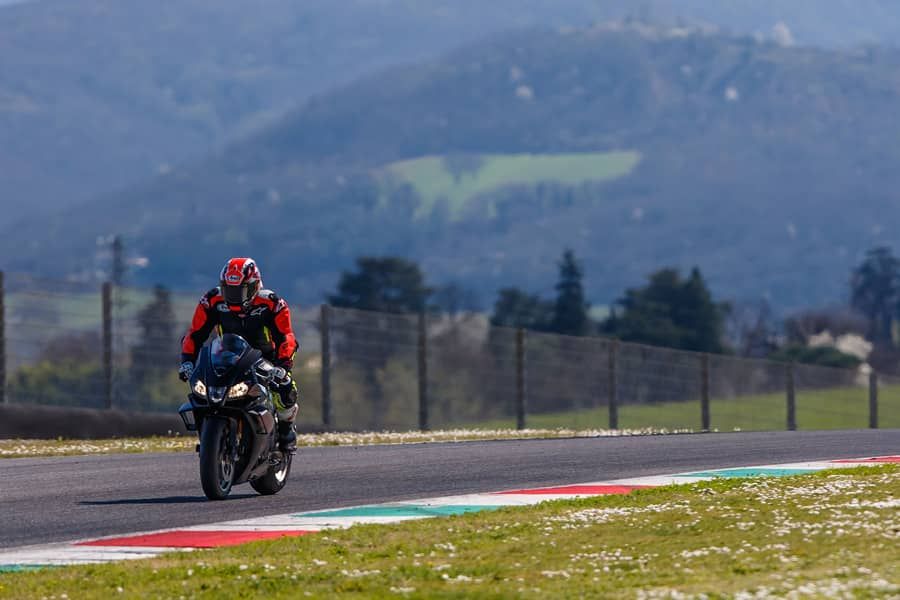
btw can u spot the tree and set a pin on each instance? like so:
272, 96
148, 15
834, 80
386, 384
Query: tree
752, 329
670, 311
701, 319
570, 311
454, 299
375, 340
158, 346
390, 284
519, 309
874, 292
118, 267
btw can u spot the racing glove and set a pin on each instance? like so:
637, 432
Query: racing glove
185, 370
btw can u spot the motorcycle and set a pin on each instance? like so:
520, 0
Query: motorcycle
230, 406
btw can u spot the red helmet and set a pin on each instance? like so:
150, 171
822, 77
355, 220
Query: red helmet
240, 282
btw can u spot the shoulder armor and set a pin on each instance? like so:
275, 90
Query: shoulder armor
209, 297
273, 300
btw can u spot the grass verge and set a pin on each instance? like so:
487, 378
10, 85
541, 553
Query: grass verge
831, 534
43, 448
838, 408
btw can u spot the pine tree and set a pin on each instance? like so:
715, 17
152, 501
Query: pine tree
389, 284
570, 312
699, 317
519, 309
875, 292
118, 268
671, 311
158, 346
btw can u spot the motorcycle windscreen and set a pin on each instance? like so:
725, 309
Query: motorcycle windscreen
226, 351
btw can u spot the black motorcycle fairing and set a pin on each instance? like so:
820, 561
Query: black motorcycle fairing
258, 442
226, 362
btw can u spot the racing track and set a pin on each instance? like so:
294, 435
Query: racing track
60, 499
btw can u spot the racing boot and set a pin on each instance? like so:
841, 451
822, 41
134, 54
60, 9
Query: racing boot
287, 437
286, 407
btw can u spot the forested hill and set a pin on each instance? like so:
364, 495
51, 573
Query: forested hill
772, 168
96, 94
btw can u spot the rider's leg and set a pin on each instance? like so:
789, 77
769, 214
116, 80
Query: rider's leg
286, 398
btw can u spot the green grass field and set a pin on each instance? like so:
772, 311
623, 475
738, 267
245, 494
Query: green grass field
433, 180
80, 311
831, 534
842, 408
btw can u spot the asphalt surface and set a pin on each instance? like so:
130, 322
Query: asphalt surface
60, 499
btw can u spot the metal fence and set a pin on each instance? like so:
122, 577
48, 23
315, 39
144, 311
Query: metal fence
106, 346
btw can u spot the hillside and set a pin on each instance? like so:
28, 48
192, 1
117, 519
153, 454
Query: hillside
771, 168
98, 94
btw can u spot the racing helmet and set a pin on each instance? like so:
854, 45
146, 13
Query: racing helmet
240, 282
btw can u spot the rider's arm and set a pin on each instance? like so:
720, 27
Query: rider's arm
283, 333
205, 318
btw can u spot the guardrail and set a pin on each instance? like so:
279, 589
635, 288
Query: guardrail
73, 344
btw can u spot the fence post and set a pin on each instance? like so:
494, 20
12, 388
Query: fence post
423, 373
704, 393
107, 345
873, 400
521, 385
613, 385
2, 342
791, 399
325, 338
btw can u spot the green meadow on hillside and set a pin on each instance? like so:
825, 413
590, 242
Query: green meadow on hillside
458, 180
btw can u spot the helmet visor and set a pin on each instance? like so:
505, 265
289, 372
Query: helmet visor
236, 294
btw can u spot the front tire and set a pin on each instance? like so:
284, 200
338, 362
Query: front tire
275, 478
217, 466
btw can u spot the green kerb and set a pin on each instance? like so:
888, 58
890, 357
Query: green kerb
400, 511
750, 473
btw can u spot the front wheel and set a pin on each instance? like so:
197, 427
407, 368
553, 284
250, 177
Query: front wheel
274, 479
216, 458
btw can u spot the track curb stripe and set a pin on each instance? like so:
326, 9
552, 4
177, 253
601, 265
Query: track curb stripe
579, 490
186, 538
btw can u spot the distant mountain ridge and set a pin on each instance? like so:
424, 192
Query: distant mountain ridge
100, 94
771, 168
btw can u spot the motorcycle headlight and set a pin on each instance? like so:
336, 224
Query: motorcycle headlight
200, 388
238, 391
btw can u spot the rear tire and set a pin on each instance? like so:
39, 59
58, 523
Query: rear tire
275, 478
216, 458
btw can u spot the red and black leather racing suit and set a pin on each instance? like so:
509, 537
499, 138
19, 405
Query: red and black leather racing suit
265, 324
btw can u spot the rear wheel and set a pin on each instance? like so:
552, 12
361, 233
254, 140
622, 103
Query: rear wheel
275, 478
216, 458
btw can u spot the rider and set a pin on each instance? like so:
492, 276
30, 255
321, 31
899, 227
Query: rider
239, 306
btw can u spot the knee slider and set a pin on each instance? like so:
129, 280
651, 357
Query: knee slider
287, 415
286, 396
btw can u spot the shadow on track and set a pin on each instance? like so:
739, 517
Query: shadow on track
167, 500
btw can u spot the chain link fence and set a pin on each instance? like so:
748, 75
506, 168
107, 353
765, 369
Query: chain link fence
94, 346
